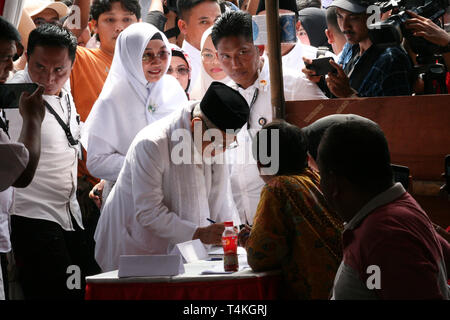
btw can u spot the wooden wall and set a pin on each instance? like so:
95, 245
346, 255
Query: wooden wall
417, 130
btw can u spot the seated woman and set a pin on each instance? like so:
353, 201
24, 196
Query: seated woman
211, 69
293, 229
136, 92
180, 67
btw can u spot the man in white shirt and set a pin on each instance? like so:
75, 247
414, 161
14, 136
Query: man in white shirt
195, 17
46, 222
19, 159
173, 181
240, 59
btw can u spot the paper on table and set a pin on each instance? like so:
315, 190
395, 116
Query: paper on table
150, 265
192, 250
218, 268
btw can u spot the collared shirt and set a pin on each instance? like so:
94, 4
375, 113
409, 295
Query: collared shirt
388, 76
52, 193
13, 160
196, 61
245, 180
391, 251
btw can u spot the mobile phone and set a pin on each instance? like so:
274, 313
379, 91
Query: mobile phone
447, 171
11, 92
401, 174
321, 66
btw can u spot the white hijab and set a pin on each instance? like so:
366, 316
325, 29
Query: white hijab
204, 80
128, 102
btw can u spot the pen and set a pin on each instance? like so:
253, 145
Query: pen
212, 221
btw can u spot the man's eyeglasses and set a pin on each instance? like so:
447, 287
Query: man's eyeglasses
222, 146
148, 56
182, 71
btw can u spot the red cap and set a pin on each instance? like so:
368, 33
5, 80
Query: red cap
228, 223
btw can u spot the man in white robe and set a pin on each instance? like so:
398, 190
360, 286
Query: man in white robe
173, 180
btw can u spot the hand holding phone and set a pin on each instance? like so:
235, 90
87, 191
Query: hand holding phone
31, 106
321, 66
11, 92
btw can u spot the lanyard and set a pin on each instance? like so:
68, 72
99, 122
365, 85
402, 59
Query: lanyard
4, 124
63, 125
255, 96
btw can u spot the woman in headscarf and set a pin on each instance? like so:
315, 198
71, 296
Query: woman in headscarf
294, 229
313, 25
180, 67
136, 93
210, 70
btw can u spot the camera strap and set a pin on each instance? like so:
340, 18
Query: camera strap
63, 125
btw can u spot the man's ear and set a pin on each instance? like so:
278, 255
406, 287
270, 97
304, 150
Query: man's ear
182, 25
330, 36
94, 26
298, 25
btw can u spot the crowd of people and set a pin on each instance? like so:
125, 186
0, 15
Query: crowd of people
148, 122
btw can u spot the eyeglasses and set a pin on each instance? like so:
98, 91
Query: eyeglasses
148, 56
222, 146
182, 71
208, 57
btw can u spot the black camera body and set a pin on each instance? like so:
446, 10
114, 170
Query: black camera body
392, 31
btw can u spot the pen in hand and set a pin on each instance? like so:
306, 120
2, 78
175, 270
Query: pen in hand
210, 220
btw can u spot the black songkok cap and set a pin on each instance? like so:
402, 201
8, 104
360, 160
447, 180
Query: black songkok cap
225, 107
283, 4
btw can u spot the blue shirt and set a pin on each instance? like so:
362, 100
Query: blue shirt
389, 75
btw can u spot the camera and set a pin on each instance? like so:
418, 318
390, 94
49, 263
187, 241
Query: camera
392, 31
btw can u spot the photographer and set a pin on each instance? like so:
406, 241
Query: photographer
364, 69
18, 160
427, 29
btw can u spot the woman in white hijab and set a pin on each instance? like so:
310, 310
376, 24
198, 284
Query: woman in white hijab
210, 70
136, 93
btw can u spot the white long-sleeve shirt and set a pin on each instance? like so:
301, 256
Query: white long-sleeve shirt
52, 193
13, 160
157, 203
245, 180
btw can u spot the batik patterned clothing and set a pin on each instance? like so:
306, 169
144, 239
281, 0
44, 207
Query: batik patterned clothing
295, 230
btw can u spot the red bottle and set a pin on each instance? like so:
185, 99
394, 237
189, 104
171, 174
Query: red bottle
229, 243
